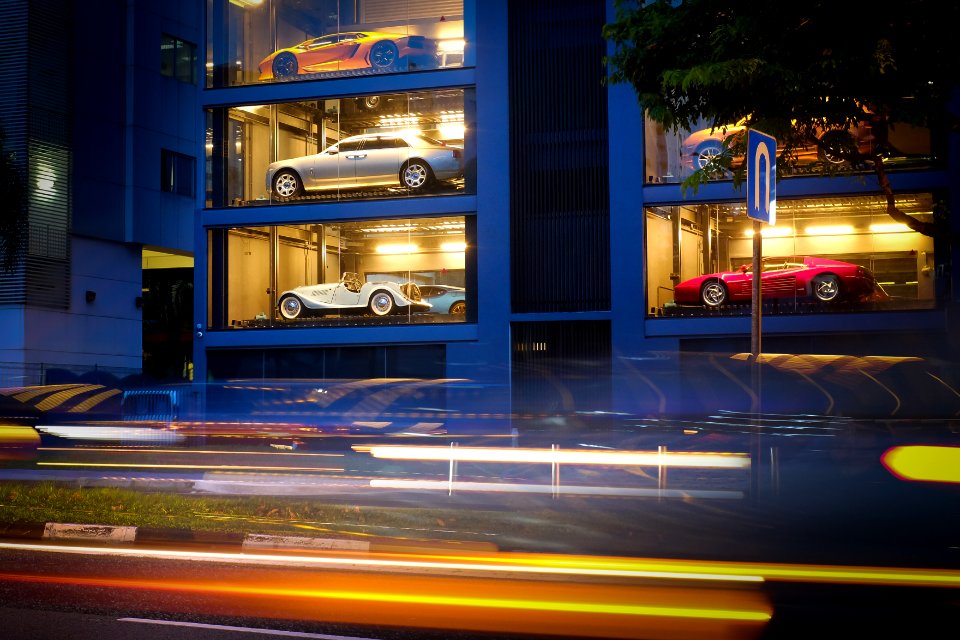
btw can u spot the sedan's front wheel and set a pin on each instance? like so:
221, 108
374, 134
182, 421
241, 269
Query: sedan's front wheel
381, 303
287, 184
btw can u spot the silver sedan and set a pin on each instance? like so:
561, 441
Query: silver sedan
409, 160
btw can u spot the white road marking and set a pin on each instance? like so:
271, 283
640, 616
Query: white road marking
220, 627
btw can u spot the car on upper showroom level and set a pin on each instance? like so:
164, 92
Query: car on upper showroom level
807, 277
409, 160
445, 298
350, 51
699, 148
351, 294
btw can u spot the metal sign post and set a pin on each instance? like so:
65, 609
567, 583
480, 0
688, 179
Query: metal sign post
762, 208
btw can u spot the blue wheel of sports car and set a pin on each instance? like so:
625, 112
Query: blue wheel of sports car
383, 55
706, 153
458, 308
284, 66
826, 287
836, 147
416, 174
713, 293
381, 303
290, 307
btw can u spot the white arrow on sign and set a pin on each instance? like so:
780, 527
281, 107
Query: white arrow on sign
762, 168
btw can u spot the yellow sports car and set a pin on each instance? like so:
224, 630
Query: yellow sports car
376, 50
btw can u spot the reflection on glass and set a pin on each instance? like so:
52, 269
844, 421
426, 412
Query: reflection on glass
672, 156
373, 146
280, 40
335, 273
827, 254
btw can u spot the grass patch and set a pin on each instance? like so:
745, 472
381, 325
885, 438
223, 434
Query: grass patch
41, 502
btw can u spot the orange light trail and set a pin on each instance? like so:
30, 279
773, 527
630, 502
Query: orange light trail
556, 608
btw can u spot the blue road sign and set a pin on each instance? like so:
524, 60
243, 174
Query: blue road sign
761, 176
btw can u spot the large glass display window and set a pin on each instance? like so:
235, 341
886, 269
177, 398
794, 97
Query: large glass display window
822, 255
255, 41
341, 273
672, 156
359, 147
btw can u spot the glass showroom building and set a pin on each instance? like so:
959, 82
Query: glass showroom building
449, 189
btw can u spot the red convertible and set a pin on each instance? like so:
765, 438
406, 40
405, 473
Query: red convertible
808, 277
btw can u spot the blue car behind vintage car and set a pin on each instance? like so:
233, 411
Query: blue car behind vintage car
444, 298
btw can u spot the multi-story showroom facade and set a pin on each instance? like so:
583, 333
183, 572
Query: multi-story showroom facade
362, 154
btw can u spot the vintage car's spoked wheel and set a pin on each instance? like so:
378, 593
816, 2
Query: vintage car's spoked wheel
826, 287
290, 307
458, 308
284, 66
713, 293
381, 303
383, 55
287, 184
416, 174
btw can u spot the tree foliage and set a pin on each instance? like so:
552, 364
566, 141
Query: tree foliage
790, 69
13, 209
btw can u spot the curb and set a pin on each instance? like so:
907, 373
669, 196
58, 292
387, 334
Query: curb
96, 533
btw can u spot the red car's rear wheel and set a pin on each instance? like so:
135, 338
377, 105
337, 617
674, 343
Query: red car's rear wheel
826, 287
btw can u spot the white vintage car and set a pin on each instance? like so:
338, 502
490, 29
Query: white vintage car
351, 294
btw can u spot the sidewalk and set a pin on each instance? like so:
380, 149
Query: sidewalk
58, 532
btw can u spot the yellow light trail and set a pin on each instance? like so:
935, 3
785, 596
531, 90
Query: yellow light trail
715, 460
191, 451
182, 466
923, 463
558, 564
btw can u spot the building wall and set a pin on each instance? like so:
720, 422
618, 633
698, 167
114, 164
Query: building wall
87, 112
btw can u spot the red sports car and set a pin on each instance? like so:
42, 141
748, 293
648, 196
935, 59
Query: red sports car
808, 277
348, 51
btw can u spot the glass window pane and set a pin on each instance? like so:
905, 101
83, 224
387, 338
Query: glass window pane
823, 255
283, 40
672, 156
336, 273
411, 145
